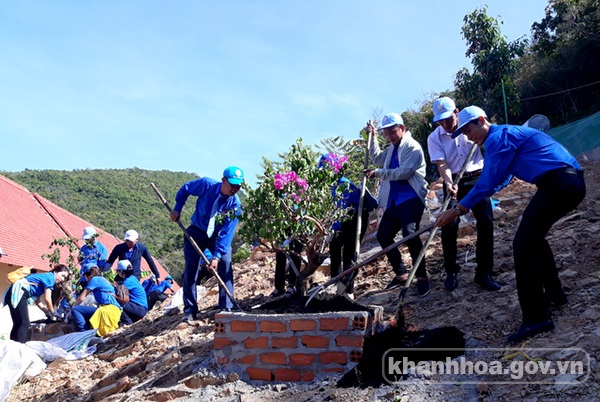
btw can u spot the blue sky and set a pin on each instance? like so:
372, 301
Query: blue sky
197, 86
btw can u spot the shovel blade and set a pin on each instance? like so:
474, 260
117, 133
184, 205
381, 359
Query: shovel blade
345, 282
312, 293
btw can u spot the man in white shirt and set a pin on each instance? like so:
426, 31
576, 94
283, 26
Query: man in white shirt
450, 155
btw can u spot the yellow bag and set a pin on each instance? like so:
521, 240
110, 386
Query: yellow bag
18, 274
106, 318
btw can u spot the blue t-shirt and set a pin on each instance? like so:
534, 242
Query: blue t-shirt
39, 283
161, 287
137, 294
102, 290
400, 190
96, 254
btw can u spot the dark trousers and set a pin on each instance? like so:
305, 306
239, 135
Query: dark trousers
537, 276
192, 274
484, 254
155, 297
342, 248
281, 263
132, 312
20, 317
405, 217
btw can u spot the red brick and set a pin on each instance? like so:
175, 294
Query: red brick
303, 325
272, 358
308, 376
252, 343
290, 342
350, 340
219, 327
272, 326
259, 374
334, 324
223, 360
286, 374
333, 357
245, 360
222, 342
311, 341
301, 359
243, 326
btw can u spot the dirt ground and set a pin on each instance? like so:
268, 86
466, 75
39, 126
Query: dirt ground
162, 358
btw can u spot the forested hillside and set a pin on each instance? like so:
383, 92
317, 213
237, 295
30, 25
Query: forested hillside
118, 200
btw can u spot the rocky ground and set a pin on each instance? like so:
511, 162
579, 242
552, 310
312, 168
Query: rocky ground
162, 358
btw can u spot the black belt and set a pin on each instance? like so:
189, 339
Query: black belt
564, 170
570, 170
467, 175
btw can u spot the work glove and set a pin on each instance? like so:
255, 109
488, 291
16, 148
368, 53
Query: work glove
49, 315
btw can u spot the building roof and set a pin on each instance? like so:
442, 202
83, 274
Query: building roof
29, 223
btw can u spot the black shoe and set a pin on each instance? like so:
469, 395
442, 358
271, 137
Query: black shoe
451, 282
529, 330
486, 282
396, 282
423, 287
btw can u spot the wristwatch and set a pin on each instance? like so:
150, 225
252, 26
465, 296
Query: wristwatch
457, 211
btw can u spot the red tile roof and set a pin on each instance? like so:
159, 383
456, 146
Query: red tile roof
29, 223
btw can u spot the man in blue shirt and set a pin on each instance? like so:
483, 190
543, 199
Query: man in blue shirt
450, 155
92, 251
133, 251
402, 194
212, 227
156, 292
536, 158
342, 248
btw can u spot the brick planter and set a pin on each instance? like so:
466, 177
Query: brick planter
291, 347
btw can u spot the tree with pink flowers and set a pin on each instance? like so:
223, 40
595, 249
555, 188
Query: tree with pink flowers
294, 200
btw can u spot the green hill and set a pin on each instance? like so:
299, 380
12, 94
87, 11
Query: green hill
118, 200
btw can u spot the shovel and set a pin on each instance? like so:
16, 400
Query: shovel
314, 291
416, 263
343, 284
195, 245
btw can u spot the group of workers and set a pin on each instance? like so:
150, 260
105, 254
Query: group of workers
519, 151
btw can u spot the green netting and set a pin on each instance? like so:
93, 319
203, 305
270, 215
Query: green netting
580, 136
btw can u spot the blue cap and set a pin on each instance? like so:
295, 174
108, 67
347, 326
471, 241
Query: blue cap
168, 277
467, 115
234, 175
391, 119
86, 267
443, 108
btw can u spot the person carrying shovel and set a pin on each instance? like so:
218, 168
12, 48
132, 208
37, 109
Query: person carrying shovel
449, 155
212, 227
342, 248
402, 194
535, 158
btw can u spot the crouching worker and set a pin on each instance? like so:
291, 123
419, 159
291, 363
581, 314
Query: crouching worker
156, 292
38, 287
106, 316
135, 306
